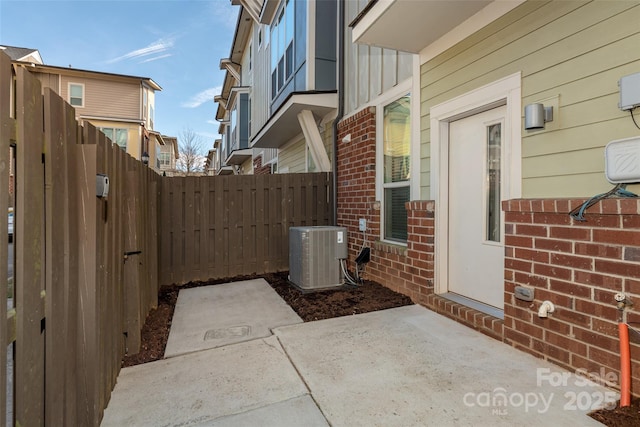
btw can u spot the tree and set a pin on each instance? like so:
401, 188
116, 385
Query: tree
191, 159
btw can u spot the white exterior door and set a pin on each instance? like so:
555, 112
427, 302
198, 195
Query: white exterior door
476, 230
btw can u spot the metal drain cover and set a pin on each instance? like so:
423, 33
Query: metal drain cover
232, 332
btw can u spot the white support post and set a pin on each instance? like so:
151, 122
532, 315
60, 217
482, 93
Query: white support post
314, 140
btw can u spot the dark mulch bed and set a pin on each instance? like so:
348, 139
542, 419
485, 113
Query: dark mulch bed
619, 417
312, 306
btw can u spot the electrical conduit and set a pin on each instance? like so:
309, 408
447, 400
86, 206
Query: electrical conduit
625, 365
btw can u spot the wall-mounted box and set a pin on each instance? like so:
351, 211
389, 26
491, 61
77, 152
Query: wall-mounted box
629, 91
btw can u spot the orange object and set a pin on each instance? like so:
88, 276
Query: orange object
625, 365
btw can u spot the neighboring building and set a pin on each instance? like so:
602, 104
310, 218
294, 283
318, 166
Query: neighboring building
279, 96
167, 155
22, 54
489, 199
26, 55
122, 106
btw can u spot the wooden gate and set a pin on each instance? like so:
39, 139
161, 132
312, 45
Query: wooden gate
80, 300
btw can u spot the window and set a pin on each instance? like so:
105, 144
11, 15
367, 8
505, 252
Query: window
76, 94
144, 103
493, 198
152, 116
282, 48
164, 160
396, 147
117, 136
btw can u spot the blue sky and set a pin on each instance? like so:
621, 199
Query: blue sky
177, 43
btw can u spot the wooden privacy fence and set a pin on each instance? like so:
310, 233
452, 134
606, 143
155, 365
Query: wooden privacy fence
79, 302
223, 226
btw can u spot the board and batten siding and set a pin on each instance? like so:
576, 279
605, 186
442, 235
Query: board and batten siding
260, 79
370, 71
106, 98
571, 55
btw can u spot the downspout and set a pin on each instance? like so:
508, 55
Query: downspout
341, 21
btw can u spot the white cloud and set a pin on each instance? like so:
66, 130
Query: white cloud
213, 122
157, 47
155, 58
202, 97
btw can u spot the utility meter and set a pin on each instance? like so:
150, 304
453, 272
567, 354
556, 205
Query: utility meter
622, 161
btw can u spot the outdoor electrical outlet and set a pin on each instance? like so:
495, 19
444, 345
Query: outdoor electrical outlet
363, 224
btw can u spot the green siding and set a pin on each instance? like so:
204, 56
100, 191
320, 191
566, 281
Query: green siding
292, 156
571, 52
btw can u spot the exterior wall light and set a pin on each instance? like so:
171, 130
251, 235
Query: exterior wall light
145, 158
536, 115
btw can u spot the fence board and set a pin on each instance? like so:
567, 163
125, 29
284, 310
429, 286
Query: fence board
57, 254
29, 253
246, 222
72, 316
131, 273
87, 351
7, 128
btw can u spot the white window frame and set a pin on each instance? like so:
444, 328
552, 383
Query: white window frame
385, 99
69, 94
161, 162
145, 102
115, 129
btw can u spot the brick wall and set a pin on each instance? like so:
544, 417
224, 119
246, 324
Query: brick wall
357, 178
579, 267
258, 169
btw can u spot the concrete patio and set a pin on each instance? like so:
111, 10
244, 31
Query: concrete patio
406, 366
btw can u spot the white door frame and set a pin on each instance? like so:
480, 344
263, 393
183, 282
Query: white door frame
506, 91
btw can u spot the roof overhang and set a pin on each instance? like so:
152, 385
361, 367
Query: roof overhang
157, 136
268, 11
409, 25
238, 157
262, 11
76, 72
284, 124
226, 170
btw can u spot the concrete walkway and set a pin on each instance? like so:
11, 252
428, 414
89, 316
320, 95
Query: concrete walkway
401, 367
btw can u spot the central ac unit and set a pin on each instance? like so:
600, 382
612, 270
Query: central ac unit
314, 256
